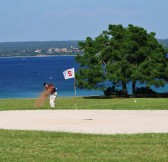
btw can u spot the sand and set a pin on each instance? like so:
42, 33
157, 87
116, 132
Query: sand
87, 121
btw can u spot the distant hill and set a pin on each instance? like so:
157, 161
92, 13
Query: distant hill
37, 44
49, 44
164, 42
36, 48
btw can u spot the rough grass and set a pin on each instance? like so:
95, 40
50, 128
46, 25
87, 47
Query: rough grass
52, 146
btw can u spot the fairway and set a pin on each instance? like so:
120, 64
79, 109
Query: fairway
87, 121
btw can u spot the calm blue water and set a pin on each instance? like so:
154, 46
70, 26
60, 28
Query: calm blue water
23, 77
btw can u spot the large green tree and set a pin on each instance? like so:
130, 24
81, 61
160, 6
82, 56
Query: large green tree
166, 70
121, 55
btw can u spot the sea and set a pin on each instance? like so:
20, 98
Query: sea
23, 77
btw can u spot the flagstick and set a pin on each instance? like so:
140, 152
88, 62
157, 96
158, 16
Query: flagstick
75, 92
70, 73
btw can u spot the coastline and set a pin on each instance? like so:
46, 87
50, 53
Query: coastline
37, 56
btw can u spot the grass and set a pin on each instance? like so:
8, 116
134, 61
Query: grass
52, 146
89, 103
56, 146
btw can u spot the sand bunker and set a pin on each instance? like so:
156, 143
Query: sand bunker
87, 121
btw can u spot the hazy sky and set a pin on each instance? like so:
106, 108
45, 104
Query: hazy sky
49, 20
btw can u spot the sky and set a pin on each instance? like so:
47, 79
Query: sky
59, 20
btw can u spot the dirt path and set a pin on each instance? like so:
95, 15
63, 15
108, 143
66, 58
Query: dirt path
87, 121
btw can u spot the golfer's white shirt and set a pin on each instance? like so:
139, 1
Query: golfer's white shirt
52, 99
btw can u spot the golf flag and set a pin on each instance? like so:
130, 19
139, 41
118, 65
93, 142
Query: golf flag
69, 73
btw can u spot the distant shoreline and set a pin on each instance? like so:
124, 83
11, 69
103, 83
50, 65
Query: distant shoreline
37, 56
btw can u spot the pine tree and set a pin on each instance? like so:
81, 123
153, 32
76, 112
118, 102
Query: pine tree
121, 55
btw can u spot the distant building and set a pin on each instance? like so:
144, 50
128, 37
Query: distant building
38, 51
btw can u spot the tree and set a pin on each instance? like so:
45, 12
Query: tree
166, 70
121, 55
90, 74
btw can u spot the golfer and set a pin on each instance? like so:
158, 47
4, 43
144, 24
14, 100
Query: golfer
51, 90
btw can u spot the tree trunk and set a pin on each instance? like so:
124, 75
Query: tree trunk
124, 88
133, 88
114, 86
